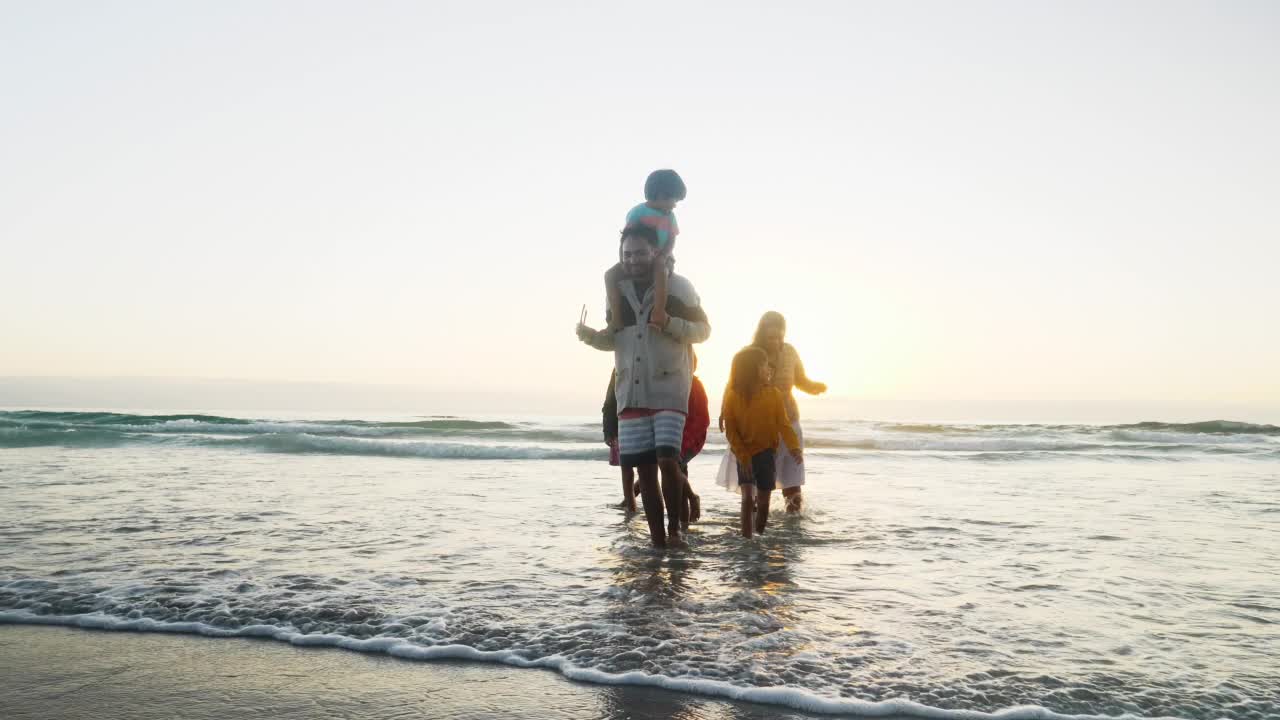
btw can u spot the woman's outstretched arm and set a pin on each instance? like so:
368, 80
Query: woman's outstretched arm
803, 382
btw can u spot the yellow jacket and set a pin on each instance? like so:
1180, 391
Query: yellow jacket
754, 426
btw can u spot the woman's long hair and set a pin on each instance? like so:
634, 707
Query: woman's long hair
744, 375
768, 320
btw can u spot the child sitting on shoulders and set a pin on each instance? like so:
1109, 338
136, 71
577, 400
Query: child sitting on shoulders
662, 190
755, 415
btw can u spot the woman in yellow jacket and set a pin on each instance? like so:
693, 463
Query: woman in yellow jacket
755, 415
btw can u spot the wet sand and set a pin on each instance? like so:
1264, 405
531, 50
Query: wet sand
50, 672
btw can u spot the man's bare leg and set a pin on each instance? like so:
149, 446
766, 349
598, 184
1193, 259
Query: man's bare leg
652, 499
673, 492
762, 510
629, 489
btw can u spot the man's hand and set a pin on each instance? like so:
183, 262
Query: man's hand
585, 334
798, 455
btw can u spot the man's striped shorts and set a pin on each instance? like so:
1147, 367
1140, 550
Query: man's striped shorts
646, 435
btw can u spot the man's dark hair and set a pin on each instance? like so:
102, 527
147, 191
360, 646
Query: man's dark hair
664, 185
649, 234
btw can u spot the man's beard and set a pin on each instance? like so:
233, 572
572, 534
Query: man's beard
643, 273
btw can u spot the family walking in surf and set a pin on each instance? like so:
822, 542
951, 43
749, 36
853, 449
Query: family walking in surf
656, 413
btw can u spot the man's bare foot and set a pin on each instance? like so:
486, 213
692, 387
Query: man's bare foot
695, 508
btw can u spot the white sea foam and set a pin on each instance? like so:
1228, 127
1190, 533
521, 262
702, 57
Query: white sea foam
790, 697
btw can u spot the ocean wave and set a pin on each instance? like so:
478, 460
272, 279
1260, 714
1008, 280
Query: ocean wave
781, 696
925, 428
27, 438
302, 443
34, 428
443, 424
1207, 427
110, 418
29, 417
452, 437
966, 444
1169, 437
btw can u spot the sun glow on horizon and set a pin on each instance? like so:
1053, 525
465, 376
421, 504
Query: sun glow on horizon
951, 224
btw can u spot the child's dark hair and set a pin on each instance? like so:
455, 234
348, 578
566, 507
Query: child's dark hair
648, 234
664, 185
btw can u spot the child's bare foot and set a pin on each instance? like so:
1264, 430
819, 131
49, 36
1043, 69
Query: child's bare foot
628, 505
658, 318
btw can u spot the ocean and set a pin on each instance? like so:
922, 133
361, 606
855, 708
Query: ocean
938, 570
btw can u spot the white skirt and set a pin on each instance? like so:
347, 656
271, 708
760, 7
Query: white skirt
790, 473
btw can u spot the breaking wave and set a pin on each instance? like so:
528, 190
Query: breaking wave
447, 437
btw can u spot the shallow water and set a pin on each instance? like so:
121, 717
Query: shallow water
1085, 580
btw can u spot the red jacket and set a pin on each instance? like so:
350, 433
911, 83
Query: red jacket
696, 422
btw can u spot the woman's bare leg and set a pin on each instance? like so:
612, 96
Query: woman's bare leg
794, 499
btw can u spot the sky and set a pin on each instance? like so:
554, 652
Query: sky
968, 211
